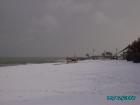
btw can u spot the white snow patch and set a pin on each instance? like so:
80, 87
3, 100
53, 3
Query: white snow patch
82, 83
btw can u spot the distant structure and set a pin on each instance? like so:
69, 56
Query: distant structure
123, 50
105, 55
72, 59
122, 54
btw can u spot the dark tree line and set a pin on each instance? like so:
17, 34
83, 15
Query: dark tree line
133, 51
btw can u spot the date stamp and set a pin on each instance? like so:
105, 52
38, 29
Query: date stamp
121, 98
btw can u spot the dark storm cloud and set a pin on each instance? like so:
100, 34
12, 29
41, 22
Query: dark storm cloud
66, 27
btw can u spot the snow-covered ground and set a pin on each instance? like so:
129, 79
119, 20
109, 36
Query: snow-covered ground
82, 83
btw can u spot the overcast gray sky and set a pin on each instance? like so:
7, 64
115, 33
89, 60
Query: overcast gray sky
67, 27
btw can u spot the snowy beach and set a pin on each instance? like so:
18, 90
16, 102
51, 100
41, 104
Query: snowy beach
83, 83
